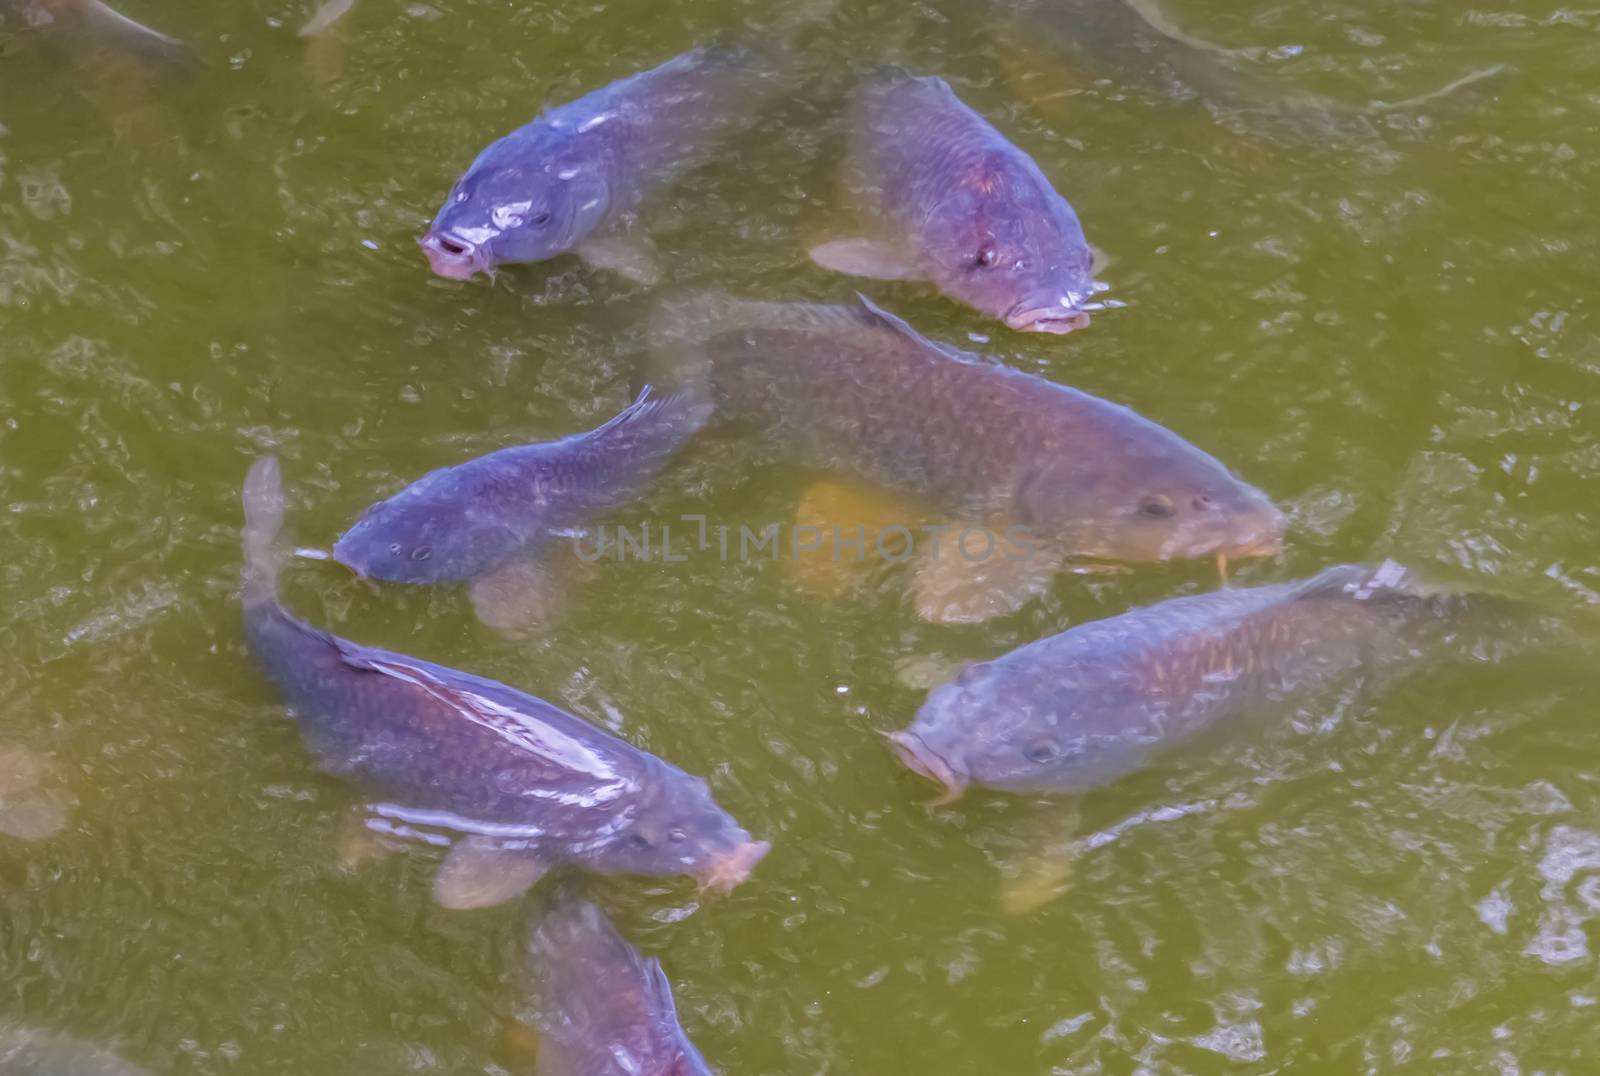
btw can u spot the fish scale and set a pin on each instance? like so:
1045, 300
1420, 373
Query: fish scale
1079, 709
443, 743
855, 390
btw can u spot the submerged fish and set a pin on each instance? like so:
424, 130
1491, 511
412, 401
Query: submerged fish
118, 63
94, 33
600, 1007
947, 198
1130, 43
855, 390
1080, 709
525, 785
465, 522
570, 181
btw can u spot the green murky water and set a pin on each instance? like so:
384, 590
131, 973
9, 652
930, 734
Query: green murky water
1394, 336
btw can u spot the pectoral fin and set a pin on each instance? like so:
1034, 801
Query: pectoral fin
33, 801
633, 258
357, 843
481, 873
977, 573
525, 597
860, 256
1043, 870
842, 530
924, 672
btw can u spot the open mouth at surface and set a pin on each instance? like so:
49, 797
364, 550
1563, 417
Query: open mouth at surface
452, 257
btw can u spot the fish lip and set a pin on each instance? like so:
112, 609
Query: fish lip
1265, 541
452, 264
727, 872
919, 758
1054, 317
355, 569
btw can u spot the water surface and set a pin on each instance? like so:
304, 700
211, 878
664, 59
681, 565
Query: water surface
1394, 336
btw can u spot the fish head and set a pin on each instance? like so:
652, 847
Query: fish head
516, 205
1007, 244
1163, 500
998, 726
415, 538
683, 831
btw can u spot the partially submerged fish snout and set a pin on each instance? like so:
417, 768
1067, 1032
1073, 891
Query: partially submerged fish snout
454, 257
1262, 537
727, 872
1060, 313
919, 758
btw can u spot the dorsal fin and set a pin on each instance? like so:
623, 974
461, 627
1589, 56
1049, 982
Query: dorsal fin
1358, 581
903, 328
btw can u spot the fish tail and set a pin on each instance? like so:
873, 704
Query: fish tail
105, 26
327, 13
263, 519
679, 363
1449, 89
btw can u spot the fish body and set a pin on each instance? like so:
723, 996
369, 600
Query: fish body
855, 390
600, 1007
956, 203
521, 779
463, 522
1077, 710
563, 182
1130, 44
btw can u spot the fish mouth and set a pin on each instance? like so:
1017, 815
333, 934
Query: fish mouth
1264, 540
920, 759
726, 872
1062, 313
1058, 320
455, 258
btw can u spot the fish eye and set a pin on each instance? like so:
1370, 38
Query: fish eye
988, 256
422, 552
1155, 508
540, 219
1040, 751
677, 836
639, 841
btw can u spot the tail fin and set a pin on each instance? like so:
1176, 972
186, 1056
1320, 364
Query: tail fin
327, 13
263, 519
679, 362
106, 27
